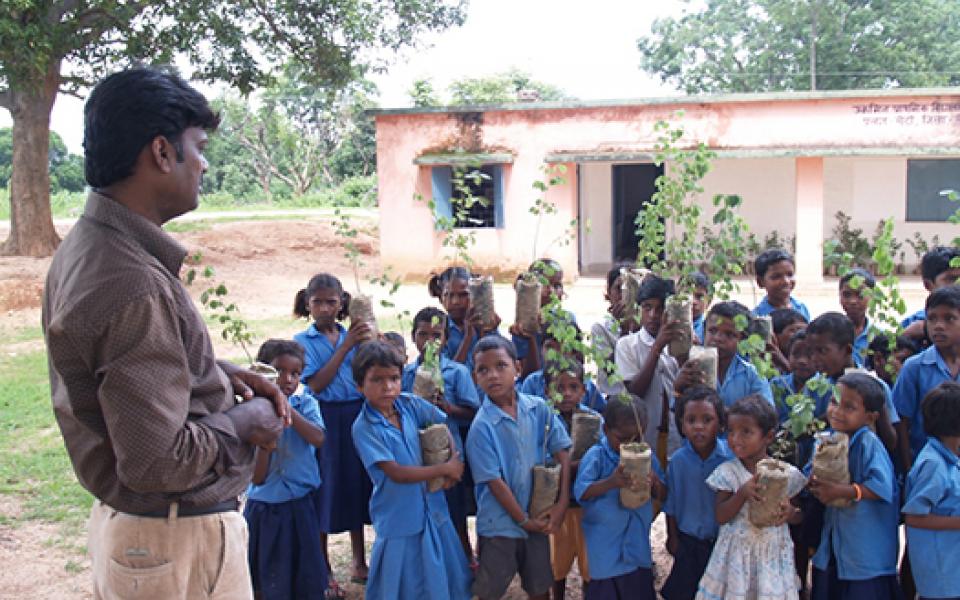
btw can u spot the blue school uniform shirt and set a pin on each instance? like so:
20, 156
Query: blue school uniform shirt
535, 385
742, 379
920, 374
933, 488
398, 509
293, 471
863, 536
765, 308
454, 339
618, 539
523, 345
689, 499
458, 386
860, 345
501, 447
698, 326
920, 315
318, 350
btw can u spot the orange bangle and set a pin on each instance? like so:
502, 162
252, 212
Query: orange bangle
859, 491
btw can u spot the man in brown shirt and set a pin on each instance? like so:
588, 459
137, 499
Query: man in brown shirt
147, 414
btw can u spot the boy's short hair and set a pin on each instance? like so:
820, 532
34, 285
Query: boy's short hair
880, 344
837, 326
374, 353
553, 369
758, 408
869, 388
274, 347
623, 409
937, 260
655, 287
729, 310
868, 279
798, 337
495, 342
941, 410
698, 393
768, 258
427, 315
700, 280
785, 317
946, 296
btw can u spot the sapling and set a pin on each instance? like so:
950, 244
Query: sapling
831, 461
435, 449
428, 378
772, 479
360, 308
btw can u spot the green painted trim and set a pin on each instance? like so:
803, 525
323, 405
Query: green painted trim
642, 156
464, 158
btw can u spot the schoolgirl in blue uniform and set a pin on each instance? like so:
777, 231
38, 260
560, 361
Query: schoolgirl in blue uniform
458, 401
857, 555
286, 559
932, 507
618, 539
416, 554
343, 498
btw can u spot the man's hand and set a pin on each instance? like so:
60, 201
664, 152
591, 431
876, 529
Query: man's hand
256, 422
248, 384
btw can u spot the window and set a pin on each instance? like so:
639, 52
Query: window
451, 185
926, 178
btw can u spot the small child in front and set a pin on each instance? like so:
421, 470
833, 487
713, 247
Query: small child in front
416, 553
857, 555
512, 433
748, 561
618, 538
932, 507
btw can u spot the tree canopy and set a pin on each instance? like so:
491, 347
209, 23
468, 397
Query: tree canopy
508, 86
770, 45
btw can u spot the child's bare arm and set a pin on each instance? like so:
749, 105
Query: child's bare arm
311, 432
453, 469
325, 374
617, 480
504, 496
262, 464
673, 536
939, 522
730, 503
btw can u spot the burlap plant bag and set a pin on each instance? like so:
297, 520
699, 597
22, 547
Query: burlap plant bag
360, 309
772, 478
426, 383
831, 462
481, 297
435, 449
585, 431
680, 310
635, 458
546, 489
763, 326
528, 302
706, 360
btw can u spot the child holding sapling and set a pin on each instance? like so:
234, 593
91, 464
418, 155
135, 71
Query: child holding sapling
329, 348
618, 322
617, 532
691, 524
511, 434
786, 322
700, 303
886, 363
937, 271
416, 553
775, 274
535, 383
932, 507
854, 303
465, 326
527, 338
750, 561
857, 555
286, 560
801, 370
457, 398
565, 385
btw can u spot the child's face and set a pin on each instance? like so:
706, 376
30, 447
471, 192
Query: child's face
722, 334
746, 439
829, 357
651, 315
571, 391
945, 278
701, 300
623, 434
943, 326
700, 425
427, 332
853, 302
456, 299
381, 386
850, 414
614, 293
553, 287
784, 337
496, 373
324, 306
289, 368
801, 360
778, 281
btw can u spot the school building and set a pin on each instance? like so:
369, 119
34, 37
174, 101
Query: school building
796, 159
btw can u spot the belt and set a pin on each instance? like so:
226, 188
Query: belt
189, 510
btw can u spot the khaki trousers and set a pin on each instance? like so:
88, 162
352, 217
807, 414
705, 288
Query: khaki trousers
173, 558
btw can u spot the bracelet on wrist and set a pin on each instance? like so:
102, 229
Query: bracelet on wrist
859, 492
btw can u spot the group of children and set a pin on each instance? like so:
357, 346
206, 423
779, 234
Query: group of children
509, 405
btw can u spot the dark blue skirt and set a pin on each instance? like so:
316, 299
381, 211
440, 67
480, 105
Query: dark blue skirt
691, 560
286, 560
635, 585
343, 500
469, 500
827, 586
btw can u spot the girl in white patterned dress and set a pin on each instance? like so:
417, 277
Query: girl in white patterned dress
750, 562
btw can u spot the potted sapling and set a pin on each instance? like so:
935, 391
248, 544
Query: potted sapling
636, 458
435, 448
830, 462
360, 307
546, 478
528, 289
428, 378
481, 298
772, 478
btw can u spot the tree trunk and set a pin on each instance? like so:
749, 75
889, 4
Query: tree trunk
31, 225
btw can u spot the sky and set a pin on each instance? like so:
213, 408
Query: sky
585, 47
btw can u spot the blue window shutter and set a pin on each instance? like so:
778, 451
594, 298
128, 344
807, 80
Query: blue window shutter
497, 173
442, 190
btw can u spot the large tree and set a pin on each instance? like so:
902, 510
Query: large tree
768, 45
512, 85
53, 46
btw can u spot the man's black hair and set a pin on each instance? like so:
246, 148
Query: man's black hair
768, 258
375, 353
937, 260
869, 388
654, 287
836, 326
868, 279
495, 342
729, 310
128, 110
945, 296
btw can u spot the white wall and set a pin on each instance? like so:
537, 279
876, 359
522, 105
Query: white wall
596, 209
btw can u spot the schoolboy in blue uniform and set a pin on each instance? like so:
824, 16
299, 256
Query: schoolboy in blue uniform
936, 272
512, 433
925, 371
691, 525
464, 326
416, 554
801, 370
618, 539
775, 274
700, 303
932, 507
534, 384
857, 555
854, 304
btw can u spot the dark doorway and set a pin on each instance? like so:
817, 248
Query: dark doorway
633, 185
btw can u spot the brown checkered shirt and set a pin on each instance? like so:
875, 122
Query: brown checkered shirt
136, 390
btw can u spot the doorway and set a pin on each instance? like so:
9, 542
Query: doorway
633, 186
